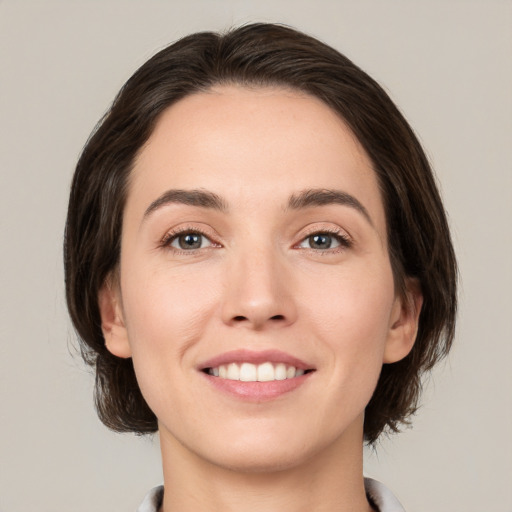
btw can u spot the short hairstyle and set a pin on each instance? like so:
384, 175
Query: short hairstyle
259, 55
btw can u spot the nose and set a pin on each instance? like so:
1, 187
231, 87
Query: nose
258, 292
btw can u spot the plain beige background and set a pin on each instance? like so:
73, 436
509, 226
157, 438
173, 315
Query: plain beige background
448, 65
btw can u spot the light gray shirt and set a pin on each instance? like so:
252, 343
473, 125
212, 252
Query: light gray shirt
378, 495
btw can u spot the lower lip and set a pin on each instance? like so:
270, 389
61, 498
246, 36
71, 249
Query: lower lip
257, 391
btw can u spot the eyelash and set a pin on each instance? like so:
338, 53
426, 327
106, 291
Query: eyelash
345, 242
170, 237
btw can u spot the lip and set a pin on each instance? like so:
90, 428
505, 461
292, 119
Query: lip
249, 356
255, 391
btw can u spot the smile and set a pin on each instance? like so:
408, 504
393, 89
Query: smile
249, 372
256, 376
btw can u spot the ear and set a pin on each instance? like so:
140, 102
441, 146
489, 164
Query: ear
112, 322
404, 322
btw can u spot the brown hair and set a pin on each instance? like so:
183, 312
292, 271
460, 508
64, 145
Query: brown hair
259, 55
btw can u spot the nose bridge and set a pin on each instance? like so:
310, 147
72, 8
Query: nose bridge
257, 289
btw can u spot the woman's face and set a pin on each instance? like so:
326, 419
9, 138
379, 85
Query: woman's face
255, 295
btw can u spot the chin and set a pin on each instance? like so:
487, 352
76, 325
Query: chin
269, 443
257, 459
266, 450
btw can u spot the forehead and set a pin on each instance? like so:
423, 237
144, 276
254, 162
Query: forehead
253, 144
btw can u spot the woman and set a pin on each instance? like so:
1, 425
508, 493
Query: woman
258, 265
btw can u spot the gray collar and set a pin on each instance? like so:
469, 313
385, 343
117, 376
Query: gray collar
378, 495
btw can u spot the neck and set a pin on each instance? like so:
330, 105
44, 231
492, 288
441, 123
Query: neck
328, 481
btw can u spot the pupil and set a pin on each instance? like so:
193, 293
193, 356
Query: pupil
320, 241
190, 241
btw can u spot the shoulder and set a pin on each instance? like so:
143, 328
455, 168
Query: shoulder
153, 500
380, 496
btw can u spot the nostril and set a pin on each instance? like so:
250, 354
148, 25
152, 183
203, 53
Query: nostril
241, 318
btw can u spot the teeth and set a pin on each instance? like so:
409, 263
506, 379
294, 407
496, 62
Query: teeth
265, 372
248, 372
233, 372
280, 371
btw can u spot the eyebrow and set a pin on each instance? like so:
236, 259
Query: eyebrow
195, 197
322, 197
304, 199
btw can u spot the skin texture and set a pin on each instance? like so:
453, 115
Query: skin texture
256, 283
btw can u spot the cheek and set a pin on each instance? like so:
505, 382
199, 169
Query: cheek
354, 302
166, 310
166, 316
352, 315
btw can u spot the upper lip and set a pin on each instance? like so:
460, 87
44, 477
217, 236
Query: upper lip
249, 356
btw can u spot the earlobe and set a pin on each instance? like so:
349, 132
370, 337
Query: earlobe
112, 322
404, 322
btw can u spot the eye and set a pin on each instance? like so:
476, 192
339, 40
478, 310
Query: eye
324, 241
188, 241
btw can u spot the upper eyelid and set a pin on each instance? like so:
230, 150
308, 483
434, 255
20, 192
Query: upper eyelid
332, 230
180, 230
